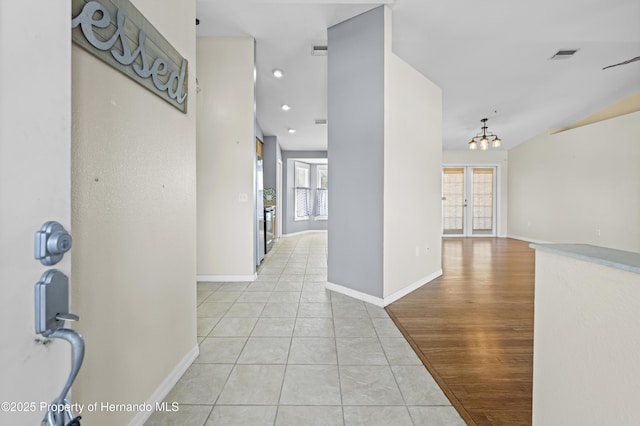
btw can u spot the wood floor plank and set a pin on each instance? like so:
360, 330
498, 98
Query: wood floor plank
473, 328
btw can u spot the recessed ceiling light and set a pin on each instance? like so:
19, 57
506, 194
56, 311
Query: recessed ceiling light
277, 73
292, 131
285, 107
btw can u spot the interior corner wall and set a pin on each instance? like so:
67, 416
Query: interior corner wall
226, 157
487, 158
289, 224
579, 186
356, 153
134, 226
412, 177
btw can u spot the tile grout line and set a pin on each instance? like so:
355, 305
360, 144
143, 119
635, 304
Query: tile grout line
395, 379
307, 251
335, 342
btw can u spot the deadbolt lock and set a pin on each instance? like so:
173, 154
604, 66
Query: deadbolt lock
52, 241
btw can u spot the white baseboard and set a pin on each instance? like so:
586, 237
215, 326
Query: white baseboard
227, 278
355, 294
167, 384
527, 239
382, 302
416, 285
310, 231
452, 236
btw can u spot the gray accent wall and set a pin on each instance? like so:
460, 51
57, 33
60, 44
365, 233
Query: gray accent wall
269, 160
289, 225
356, 152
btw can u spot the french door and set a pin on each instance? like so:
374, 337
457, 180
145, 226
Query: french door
469, 201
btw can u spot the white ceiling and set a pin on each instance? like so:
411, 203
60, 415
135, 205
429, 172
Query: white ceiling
490, 58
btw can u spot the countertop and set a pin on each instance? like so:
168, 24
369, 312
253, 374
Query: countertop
625, 260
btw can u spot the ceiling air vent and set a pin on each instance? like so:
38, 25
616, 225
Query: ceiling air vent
564, 54
319, 50
321, 121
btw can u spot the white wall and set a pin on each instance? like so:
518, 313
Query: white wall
412, 175
484, 158
134, 222
226, 159
35, 142
586, 343
579, 186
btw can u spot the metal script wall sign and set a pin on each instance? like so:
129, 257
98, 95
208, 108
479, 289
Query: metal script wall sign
117, 33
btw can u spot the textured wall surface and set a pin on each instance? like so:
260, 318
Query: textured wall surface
586, 343
134, 222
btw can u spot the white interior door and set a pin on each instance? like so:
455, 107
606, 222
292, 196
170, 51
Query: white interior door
35, 179
469, 201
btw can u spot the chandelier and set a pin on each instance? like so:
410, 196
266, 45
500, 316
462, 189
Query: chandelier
483, 139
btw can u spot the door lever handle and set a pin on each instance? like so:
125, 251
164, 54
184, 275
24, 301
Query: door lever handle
67, 317
57, 417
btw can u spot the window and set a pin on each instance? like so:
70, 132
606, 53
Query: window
302, 192
322, 192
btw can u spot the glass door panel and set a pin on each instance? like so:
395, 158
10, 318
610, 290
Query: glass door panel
482, 201
453, 201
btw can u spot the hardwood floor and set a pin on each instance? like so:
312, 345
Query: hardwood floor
473, 328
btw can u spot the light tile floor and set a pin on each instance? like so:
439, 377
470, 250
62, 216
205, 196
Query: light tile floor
284, 351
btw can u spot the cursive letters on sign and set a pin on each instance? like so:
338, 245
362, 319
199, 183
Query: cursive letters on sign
94, 16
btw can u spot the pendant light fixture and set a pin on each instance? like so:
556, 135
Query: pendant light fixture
485, 138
